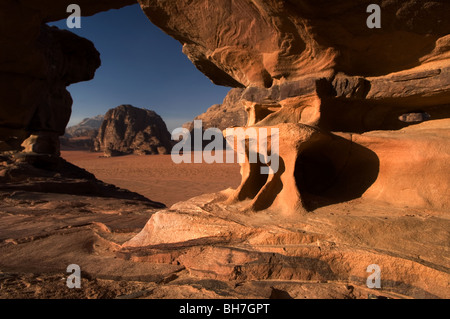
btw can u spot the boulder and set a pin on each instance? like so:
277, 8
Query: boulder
230, 113
244, 43
130, 130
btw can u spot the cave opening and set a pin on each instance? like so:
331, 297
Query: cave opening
314, 172
330, 173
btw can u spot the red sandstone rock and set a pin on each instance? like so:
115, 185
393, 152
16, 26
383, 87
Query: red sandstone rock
336, 90
339, 93
258, 43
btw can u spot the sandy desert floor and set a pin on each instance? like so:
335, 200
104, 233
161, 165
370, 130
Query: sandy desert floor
201, 247
157, 177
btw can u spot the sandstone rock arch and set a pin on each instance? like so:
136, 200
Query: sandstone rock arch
290, 69
351, 82
311, 69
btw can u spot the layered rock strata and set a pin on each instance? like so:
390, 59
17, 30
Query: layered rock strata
346, 84
361, 117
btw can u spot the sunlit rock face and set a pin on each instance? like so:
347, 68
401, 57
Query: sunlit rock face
361, 120
258, 43
317, 63
363, 130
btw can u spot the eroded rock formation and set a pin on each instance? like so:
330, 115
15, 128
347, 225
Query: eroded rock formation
362, 119
349, 103
317, 64
218, 116
130, 130
261, 43
37, 64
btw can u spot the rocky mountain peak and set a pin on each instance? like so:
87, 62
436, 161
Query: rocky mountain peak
130, 130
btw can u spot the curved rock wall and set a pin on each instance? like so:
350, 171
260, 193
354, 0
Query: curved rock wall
257, 43
317, 63
299, 62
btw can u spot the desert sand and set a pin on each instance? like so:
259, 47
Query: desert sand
157, 177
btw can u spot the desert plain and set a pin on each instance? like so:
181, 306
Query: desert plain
157, 177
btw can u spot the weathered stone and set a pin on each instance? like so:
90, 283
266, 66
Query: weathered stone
327, 246
266, 42
230, 113
127, 129
346, 100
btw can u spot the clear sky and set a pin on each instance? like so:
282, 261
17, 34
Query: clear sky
141, 66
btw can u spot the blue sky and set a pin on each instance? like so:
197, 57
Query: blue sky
142, 66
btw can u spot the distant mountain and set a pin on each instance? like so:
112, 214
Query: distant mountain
221, 116
87, 127
228, 114
82, 135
